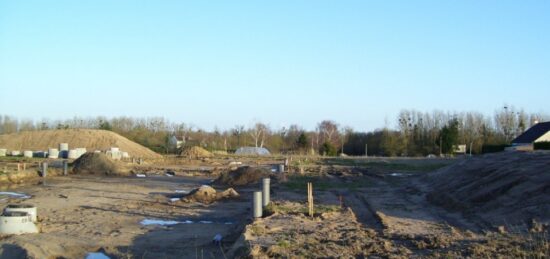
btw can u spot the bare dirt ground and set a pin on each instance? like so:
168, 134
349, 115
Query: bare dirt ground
365, 208
396, 218
81, 214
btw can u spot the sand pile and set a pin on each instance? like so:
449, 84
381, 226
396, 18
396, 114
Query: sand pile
504, 188
90, 139
196, 152
206, 194
242, 176
97, 163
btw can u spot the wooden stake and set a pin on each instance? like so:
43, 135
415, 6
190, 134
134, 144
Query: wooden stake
310, 198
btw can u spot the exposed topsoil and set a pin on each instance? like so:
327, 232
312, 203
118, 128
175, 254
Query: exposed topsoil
97, 163
504, 188
196, 152
86, 138
332, 234
242, 176
206, 194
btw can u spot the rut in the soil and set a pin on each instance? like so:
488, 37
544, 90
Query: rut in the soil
362, 209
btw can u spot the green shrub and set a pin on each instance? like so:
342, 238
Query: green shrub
493, 148
328, 149
544, 145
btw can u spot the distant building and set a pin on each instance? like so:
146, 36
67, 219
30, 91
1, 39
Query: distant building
252, 151
540, 132
460, 149
175, 143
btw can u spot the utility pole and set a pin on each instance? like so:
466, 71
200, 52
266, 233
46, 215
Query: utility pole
366, 151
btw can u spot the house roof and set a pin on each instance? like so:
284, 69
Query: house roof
533, 133
179, 138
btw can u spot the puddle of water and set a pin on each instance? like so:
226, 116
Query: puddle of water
16, 195
174, 199
96, 256
147, 222
181, 191
169, 175
399, 174
140, 175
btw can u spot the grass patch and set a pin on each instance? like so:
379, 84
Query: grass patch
299, 183
296, 208
407, 166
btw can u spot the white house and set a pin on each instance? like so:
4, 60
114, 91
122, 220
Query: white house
175, 143
540, 132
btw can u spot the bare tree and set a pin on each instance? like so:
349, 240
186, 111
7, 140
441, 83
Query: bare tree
258, 132
328, 129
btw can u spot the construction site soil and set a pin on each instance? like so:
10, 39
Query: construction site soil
90, 139
373, 208
242, 176
507, 188
196, 152
97, 163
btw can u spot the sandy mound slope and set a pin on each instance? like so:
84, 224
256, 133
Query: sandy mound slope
196, 152
206, 194
97, 163
90, 139
242, 176
504, 188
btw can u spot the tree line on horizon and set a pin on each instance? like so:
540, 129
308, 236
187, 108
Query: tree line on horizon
415, 133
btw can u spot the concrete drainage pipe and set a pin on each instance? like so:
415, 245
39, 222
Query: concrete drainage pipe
17, 222
28, 208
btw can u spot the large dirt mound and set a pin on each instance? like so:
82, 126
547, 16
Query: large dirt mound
206, 194
90, 139
505, 188
242, 176
196, 152
97, 163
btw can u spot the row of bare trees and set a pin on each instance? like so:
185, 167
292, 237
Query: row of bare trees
415, 133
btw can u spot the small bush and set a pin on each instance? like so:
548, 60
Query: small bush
328, 149
493, 148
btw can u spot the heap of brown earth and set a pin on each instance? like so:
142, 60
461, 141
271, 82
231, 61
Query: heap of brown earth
206, 194
242, 176
196, 152
508, 188
91, 139
97, 163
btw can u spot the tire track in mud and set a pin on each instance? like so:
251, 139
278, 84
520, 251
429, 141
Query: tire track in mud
361, 208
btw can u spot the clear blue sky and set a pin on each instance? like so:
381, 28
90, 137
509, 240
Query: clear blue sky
231, 62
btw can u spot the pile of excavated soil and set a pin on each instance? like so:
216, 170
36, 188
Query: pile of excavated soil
196, 152
206, 194
91, 139
97, 163
242, 176
505, 188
